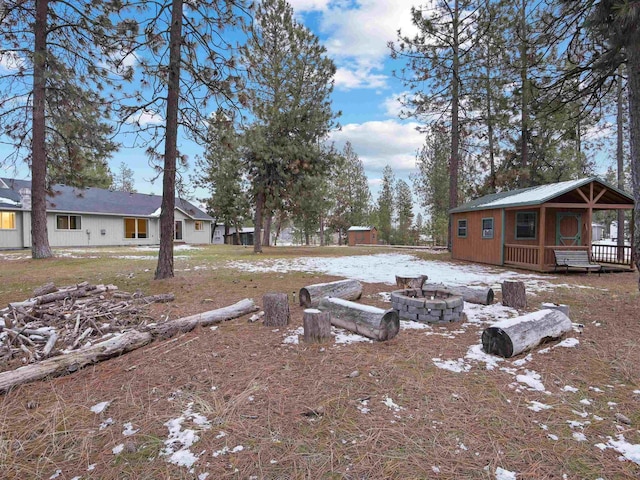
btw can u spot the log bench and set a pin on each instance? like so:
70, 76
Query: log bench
575, 259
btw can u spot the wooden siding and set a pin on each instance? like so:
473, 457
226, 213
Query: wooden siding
473, 247
363, 237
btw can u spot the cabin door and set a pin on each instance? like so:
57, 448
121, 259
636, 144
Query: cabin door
568, 229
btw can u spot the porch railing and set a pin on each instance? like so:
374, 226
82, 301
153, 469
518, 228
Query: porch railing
612, 254
526, 255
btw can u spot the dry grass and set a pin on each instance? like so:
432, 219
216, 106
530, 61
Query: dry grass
261, 393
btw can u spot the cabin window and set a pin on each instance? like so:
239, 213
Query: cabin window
487, 227
462, 228
136, 228
68, 222
199, 225
7, 220
526, 225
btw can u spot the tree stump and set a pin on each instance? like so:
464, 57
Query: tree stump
317, 326
557, 306
276, 309
514, 294
411, 282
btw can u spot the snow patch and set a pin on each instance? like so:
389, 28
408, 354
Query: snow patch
502, 474
457, 366
180, 440
100, 407
628, 450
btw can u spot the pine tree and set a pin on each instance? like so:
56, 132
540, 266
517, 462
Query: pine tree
288, 90
123, 179
386, 205
404, 212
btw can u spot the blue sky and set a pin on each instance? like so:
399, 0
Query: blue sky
355, 33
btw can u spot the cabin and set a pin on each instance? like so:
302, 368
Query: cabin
522, 228
245, 234
92, 217
362, 236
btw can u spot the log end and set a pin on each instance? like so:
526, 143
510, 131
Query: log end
496, 342
305, 298
490, 296
389, 325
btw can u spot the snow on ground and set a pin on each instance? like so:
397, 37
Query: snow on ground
382, 268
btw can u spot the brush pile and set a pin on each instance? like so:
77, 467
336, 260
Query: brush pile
59, 320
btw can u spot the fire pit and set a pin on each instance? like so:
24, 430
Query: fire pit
428, 305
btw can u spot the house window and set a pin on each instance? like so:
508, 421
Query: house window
199, 225
487, 227
7, 220
526, 225
462, 228
136, 228
68, 222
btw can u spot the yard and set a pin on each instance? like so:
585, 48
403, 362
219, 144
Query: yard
241, 400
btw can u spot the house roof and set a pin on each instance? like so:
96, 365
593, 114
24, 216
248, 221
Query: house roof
96, 200
544, 193
360, 229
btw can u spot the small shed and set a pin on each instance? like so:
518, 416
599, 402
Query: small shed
362, 236
522, 228
246, 237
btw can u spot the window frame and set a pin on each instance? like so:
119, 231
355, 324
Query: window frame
68, 216
136, 230
466, 228
492, 229
11, 215
535, 225
198, 223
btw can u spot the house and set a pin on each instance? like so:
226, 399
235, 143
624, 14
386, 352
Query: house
246, 237
597, 232
95, 217
522, 228
362, 236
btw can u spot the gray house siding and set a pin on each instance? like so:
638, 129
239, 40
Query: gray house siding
12, 238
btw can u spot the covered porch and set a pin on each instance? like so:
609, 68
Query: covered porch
565, 223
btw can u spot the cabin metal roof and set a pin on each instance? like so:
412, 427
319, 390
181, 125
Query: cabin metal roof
96, 200
544, 193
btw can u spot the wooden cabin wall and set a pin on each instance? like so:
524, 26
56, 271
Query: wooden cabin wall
475, 248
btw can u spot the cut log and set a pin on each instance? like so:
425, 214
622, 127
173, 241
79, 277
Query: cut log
411, 282
365, 320
44, 289
515, 335
556, 306
479, 295
276, 309
311, 295
131, 340
317, 326
514, 294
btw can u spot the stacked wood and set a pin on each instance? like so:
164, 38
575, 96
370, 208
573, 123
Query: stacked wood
317, 325
479, 295
365, 320
276, 309
67, 318
311, 295
515, 335
411, 282
514, 294
119, 344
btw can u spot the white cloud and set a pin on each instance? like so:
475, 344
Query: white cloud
383, 143
357, 33
11, 61
146, 117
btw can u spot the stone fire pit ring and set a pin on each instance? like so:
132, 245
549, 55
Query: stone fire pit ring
428, 306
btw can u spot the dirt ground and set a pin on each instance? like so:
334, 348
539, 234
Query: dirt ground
255, 407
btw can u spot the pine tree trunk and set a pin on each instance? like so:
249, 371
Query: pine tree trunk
633, 73
523, 179
455, 126
322, 242
266, 239
620, 161
257, 240
39, 235
165, 256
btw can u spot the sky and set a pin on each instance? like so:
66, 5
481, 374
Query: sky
356, 35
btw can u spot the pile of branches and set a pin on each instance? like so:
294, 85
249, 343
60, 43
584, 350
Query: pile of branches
59, 320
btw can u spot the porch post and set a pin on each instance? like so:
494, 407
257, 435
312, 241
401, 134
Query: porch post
541, 240
633, 234
589, 227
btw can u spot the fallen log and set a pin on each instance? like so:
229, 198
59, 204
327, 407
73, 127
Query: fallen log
479, 295
513, 336
118, 345
365, 320
311, 295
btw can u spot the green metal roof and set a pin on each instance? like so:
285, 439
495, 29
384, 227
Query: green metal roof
532, 196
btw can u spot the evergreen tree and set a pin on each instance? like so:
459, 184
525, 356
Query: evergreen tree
386, 207
123, 180
404, 213
288, 91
